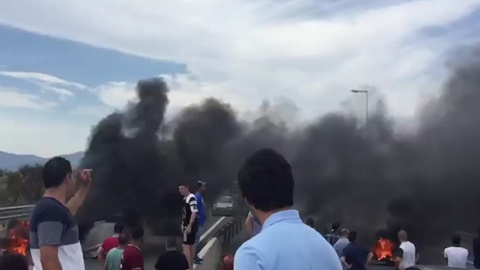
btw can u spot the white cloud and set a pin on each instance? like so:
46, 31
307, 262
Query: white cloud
116, 94
12, 98
41, 78
98, 111
259, 49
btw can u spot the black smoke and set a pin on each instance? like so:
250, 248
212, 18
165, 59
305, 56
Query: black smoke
361, 174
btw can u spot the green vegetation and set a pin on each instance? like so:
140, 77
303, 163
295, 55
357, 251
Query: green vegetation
24, 186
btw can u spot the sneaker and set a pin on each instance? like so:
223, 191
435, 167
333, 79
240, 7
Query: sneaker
197, 261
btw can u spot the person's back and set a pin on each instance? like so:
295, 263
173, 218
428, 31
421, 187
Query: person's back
171, 259
476, 251
408, 255
292, 245
13, 261
285, 242
113, 258
342, 242
355, 256
456, 257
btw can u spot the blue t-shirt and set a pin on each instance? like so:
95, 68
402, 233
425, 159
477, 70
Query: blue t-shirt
356, 255
201, 209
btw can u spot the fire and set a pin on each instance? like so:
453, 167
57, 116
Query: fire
383, 250
18, 238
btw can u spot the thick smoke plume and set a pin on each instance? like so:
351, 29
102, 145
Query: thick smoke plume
345, 170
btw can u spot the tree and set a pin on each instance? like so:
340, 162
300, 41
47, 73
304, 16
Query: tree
22, 187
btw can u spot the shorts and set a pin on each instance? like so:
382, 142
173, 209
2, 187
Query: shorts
189, 238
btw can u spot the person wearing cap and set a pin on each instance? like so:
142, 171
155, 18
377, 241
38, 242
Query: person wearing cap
201, 187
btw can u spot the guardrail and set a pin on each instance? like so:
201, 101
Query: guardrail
13, 213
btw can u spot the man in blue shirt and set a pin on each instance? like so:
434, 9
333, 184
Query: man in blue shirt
355, 256
285, 242
202, 217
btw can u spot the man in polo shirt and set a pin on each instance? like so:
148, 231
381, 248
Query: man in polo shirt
132, 259
202, 217
285, 242
54, 242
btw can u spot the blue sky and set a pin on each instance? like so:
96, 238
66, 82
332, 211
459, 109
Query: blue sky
65, 64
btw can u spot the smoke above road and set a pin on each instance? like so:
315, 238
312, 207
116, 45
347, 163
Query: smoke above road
344, 169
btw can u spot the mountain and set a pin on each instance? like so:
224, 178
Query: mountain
11, 161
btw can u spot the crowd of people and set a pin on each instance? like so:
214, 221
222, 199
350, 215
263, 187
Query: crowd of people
279, 239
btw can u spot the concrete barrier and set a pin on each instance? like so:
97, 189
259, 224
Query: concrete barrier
211, 254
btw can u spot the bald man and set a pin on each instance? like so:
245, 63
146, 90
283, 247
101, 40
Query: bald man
407, 256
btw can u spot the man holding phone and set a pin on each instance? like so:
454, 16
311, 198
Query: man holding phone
54, 241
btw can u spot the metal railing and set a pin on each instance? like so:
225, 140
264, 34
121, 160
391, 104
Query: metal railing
229, 230
13, 212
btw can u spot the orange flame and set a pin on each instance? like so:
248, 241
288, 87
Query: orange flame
383, 249
18, 237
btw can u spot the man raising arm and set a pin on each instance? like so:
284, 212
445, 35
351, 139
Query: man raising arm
54, 242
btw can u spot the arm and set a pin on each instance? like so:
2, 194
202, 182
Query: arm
49, 258
194, 210
369, 258
77, 200
247, 258
344, 262
101, 255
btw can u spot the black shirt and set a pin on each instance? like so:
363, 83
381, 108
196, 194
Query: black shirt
476, 252
172, 260
356, 255
189, 207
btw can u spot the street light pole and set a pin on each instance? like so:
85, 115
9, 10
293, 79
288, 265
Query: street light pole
366, 101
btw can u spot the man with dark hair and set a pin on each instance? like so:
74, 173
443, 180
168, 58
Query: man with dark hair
476, 250
54, 241
13, 261
456, 255
332, 236
354, 256
114, 256
172, 259
202, 217
285, 243
110, 242
131, 258
189, 225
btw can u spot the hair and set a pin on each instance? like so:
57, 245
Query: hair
456, 239
123, 239
309, 221
336, 225
171, 242
266, 181
13, 261
118, 228
352, 236
184, 184
137, 233
55, 171
344, 232
402, 235
200, 184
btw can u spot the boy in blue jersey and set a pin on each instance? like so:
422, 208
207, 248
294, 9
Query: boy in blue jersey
201, 187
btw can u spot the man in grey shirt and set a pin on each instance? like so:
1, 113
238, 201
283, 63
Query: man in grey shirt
253, 225
342, 242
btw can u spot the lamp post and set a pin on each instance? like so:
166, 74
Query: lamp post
366, 101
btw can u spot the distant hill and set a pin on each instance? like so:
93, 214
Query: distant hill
11, 161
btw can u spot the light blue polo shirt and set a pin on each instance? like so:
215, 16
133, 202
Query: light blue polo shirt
286, 243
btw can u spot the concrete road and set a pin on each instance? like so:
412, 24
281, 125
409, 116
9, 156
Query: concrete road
152, 248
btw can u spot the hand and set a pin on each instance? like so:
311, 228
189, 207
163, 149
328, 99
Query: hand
182, 228
349, 266
85, 176
189, 229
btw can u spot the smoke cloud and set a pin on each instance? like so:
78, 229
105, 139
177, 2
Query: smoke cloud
344, 169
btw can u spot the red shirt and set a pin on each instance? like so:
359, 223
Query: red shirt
109, 243
131, 258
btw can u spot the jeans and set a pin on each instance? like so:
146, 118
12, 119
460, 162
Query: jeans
197, 238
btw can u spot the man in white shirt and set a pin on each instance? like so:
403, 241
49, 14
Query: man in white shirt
456, 255
407, 256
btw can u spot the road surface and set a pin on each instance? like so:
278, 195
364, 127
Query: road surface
151, 249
